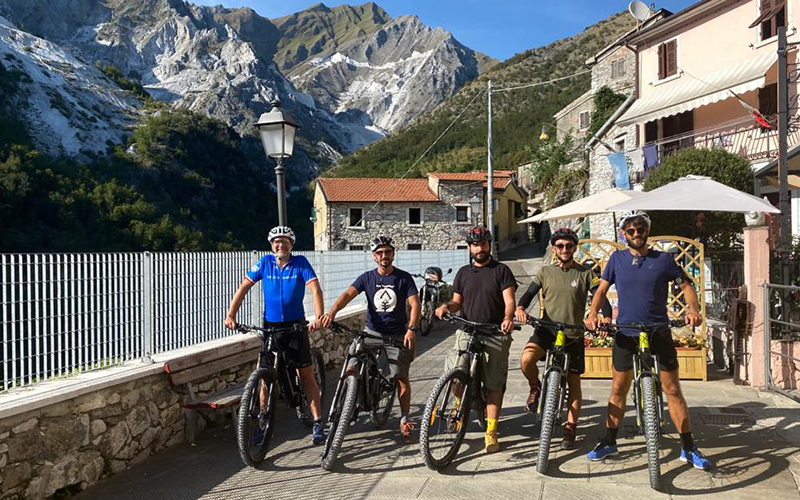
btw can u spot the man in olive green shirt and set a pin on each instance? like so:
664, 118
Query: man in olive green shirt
565, 287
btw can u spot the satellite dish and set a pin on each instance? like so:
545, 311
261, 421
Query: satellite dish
639, 10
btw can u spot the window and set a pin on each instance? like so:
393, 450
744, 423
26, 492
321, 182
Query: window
617, 69
619, 143
461, 247
768, 102
414, 246
667, 59
415, 216
584, 120
462, 214
772, 15
357, 247
355, 217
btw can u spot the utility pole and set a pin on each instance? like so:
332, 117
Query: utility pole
783, 162
490, 176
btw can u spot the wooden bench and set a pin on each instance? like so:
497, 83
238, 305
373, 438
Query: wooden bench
184, 371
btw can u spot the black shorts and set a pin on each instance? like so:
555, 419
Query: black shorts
296, 346
575, 349
660, 344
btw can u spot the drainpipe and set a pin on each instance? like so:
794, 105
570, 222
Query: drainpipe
607, 125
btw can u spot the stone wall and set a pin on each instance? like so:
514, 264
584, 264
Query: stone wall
602, 71
64, 447
438, 231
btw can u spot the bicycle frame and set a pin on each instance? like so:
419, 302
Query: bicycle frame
271, 356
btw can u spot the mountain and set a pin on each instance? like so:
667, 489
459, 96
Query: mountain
349, 75
518, 115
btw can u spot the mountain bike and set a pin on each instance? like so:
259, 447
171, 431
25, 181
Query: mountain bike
455, 394
272, 379
647, 394
554, 393
369, 390
431, 296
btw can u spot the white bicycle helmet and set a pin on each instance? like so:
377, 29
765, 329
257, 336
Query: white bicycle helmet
633, 214
281, 231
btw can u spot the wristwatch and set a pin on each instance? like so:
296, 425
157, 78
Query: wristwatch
413, 329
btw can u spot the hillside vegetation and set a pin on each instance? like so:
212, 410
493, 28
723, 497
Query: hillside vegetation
518, 115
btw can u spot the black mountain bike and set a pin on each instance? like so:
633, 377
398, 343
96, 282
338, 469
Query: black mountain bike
647, 395
446, 416
369, 390
272, 379
554, 390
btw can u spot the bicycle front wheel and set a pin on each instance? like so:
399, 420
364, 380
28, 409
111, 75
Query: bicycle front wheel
340, 422
652, 431
445, 419
426, 318
552, 399
256, 417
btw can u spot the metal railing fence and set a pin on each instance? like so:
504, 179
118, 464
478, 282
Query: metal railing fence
726, 278
780, 328
63, 314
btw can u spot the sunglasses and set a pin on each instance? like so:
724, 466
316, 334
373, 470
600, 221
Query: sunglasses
384, 252
634, 230
562, 246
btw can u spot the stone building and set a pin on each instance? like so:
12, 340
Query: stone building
418, 214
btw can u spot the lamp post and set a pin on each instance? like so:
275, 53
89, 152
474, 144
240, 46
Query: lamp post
474, 206
277, 131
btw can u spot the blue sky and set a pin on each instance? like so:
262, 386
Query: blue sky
499, 28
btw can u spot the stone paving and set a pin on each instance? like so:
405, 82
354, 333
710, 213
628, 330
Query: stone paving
751, 435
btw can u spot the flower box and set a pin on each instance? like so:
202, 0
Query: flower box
691, 363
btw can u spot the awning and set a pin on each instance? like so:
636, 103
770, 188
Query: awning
701, 91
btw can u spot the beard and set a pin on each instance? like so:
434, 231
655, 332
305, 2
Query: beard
634, 244
282, 254
565, 260
481, 257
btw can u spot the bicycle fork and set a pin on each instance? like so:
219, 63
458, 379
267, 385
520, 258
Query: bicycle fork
655, 374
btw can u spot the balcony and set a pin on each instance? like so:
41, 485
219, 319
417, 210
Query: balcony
741, 137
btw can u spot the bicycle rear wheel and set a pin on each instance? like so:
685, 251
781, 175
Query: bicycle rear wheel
340, 422
256, 417
382, 406
445, 419
304, 410
552, 400
426, 318
652, 431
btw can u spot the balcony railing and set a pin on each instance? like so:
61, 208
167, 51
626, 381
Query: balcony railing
741, 137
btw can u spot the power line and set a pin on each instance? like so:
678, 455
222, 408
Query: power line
506, 89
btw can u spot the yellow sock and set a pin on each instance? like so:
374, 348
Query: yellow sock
458, 402
491, 424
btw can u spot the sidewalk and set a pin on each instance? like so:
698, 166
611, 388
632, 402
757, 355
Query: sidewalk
751, 435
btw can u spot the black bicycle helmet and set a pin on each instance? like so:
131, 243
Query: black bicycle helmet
564, 233
478, 233
381, 241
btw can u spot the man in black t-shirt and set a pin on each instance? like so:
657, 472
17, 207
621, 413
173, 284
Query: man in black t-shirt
484, 292
388, 290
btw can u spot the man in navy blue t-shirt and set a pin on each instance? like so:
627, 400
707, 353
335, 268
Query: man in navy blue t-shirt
641, 276
388, 291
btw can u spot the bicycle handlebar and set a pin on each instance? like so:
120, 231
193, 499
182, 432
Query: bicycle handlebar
487, 326
555, 324
673, 323
341, 328
297, 327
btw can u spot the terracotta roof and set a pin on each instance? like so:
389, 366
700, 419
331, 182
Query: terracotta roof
349, 189
502, 178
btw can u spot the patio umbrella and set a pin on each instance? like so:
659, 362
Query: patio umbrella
597, 203
697, 193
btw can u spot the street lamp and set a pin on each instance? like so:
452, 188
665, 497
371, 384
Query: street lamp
277, 131
544, 135
474, 206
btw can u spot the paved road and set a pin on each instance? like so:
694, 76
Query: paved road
752, 436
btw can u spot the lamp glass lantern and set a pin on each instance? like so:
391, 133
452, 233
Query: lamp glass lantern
277, 130
475, 207
543, 136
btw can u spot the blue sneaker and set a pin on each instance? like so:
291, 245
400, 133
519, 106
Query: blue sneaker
317, 433
602, 450
696, 458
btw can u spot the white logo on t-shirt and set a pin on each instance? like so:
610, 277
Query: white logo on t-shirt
574, 283
385, 299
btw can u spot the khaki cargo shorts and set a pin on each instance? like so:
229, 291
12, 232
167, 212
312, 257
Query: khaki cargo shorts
495, 361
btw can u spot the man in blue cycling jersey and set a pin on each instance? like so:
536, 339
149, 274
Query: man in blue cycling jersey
285, 279
389, 290
641, 276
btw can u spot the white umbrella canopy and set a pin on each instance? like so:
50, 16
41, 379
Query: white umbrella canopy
597, 203
697, 193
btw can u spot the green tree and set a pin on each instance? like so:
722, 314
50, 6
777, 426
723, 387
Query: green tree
720, 231
549, 160
606, 101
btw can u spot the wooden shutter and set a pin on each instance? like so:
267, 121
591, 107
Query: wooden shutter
662, 62
672, 57
767, 8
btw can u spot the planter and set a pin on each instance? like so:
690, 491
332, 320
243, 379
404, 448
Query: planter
691, 363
